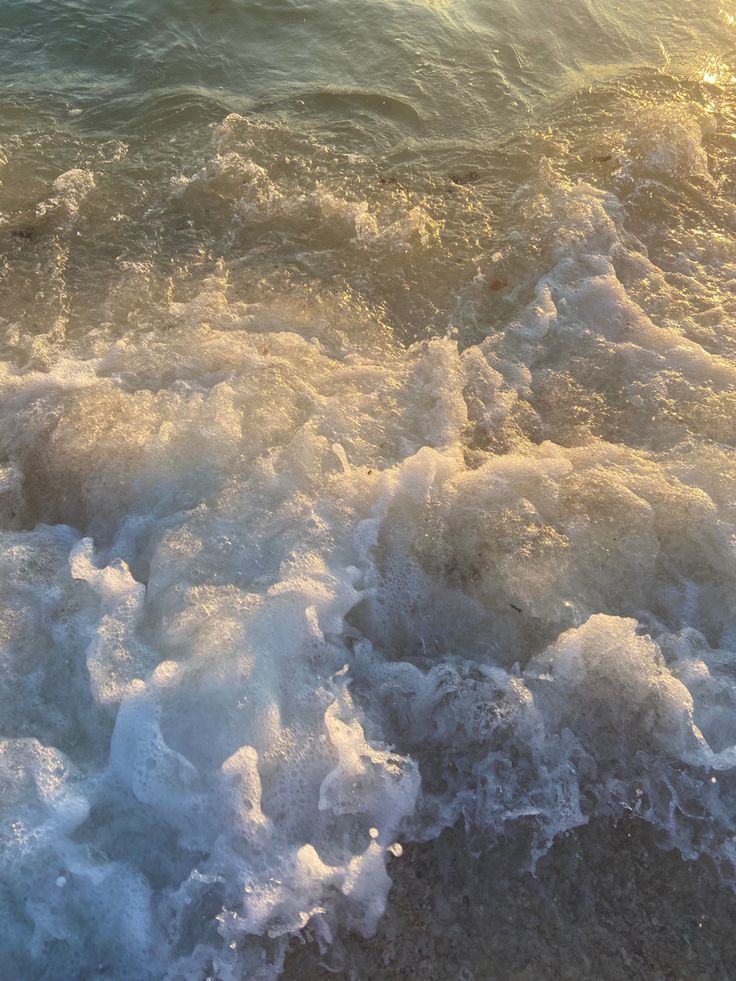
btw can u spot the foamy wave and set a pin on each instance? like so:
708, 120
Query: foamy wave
279, 590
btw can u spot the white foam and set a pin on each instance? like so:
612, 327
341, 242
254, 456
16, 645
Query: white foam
280, 592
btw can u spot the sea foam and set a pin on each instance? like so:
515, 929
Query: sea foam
282, 587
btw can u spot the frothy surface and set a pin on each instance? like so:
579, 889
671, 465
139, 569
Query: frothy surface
366, 459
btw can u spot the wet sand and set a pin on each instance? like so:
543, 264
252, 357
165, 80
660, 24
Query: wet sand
607, 904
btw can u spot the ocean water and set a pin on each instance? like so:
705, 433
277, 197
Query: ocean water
367, 468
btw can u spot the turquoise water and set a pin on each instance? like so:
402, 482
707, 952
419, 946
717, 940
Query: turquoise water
399, 75
367, 454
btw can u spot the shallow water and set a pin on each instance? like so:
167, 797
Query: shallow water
366, 458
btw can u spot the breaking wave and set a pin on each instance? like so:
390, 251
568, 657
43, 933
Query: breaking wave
342, 502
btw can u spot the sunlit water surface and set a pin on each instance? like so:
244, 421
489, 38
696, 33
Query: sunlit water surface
366, 456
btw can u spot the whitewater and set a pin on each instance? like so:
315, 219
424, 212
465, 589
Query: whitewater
367, 468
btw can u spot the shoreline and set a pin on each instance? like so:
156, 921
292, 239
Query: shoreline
607, 904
